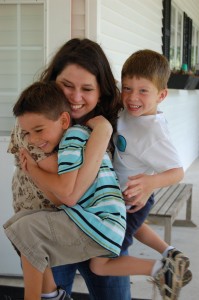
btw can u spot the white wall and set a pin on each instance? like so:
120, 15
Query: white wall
58, 25
181, 108
129, 25
78, 23
9, 262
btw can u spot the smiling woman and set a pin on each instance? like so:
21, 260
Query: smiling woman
80, 88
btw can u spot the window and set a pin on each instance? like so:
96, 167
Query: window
176, 38
187, 39
180, 37
21, 52
194, 48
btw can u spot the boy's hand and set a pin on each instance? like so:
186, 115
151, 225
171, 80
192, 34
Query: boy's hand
27, 162
100, 122
139, 188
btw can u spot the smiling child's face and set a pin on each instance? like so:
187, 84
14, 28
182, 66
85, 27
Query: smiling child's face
140, 96
43, 132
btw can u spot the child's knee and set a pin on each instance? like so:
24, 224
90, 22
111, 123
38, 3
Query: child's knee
97, 267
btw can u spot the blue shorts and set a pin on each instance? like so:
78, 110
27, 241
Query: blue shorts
134, 222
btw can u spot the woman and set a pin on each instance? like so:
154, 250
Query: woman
83, 72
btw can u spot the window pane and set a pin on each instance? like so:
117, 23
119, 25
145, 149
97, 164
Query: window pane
178, 62
21, 53
8, 72
8, 25
31, 64
176, 38
197, 45
178, 54
172, 39
32, 27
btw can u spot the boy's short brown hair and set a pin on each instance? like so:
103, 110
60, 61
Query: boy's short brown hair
148, 64
44, 98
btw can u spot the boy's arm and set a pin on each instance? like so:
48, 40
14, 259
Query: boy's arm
141, 186
69, 187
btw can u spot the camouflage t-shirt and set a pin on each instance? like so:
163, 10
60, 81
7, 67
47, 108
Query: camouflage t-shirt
26, 195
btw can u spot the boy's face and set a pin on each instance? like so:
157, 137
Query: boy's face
140, 96
43, 132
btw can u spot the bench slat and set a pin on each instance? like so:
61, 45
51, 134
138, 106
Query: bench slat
170, 198
183, 197
163, 199
168, 202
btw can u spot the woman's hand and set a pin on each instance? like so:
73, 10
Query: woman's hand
101, 123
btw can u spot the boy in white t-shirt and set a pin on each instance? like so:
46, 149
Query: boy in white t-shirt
145, 157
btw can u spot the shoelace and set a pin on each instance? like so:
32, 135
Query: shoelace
154, 288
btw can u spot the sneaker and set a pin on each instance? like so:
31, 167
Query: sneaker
61, 296
169, 279
186, 277
176, 254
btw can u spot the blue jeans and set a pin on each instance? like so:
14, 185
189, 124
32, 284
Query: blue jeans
134, 221
99, 287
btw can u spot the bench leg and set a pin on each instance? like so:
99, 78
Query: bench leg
167, 230
188, 209
187, 222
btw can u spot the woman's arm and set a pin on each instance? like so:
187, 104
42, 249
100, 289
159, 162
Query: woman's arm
70, 186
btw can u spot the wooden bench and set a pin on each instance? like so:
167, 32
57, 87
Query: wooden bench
168, 203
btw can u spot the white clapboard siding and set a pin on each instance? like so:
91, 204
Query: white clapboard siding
78, 18
181, 108
129, 25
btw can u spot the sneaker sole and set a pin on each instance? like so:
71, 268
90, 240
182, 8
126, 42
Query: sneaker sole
180, 268
172, 291
186, 278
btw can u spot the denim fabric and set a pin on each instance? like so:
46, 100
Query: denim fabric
64, 276
134, 221
100, 287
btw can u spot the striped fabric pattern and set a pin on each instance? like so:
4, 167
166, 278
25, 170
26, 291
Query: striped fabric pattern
100, 212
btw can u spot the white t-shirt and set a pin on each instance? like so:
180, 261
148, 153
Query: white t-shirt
143, 145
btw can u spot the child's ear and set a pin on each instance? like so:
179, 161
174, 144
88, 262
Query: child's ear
163, 94
65, 119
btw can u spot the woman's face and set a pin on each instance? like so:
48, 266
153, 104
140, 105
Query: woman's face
81, 89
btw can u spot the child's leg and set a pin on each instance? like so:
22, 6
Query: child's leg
33, 280
122, 266
149, 237
49, 284
167, 275
36, 282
